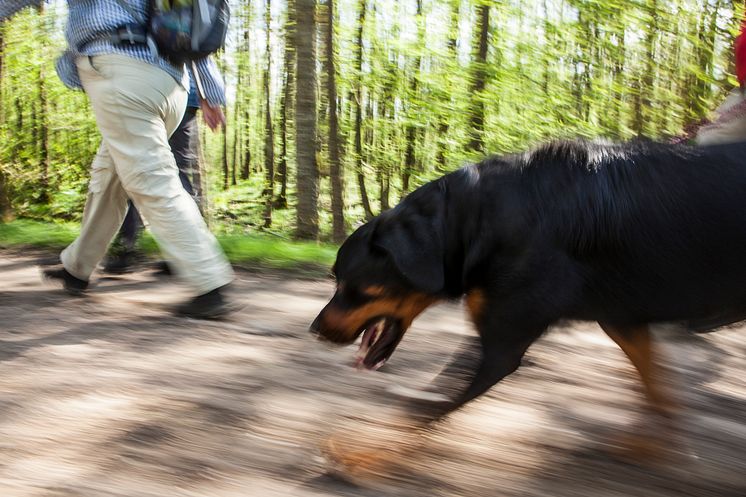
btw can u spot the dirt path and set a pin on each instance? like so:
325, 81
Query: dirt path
109, 395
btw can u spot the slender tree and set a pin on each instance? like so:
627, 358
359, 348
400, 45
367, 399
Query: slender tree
645, 88
450, 63
479, 78
307, 218
42, 122
237, 119
225, 160
5, 207
269, 139
335, 163
410, 158
285, 106
358, 99
244, 90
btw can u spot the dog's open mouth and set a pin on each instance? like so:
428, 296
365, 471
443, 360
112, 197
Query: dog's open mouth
379, 341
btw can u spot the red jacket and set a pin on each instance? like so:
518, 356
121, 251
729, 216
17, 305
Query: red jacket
740, 50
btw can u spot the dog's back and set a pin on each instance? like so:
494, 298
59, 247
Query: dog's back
638, 232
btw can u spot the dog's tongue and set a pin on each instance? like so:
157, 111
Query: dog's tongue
370, 336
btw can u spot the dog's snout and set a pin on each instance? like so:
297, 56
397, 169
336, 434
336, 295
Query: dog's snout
315, 328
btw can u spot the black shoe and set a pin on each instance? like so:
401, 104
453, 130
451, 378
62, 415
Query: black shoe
211, 305
162, 269
120, 263
70, 283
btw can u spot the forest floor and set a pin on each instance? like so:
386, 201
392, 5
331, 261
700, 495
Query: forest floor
110, 395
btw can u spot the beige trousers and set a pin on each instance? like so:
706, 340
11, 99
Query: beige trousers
730, 124
137, 107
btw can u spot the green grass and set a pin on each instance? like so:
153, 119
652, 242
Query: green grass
28, 233
255, 250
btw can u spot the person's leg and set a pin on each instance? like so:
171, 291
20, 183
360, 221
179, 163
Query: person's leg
183, 145
730, 125
131, 228
123, 253
104, 211
137, 107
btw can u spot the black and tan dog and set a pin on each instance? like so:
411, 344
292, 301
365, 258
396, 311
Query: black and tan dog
625, 235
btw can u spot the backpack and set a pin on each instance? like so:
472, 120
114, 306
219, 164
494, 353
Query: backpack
185, 30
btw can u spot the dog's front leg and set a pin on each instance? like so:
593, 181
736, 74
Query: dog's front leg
503, 339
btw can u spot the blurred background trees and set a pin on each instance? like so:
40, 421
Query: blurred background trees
338, 109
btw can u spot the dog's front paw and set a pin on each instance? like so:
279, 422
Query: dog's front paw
358, 465
372, 450
422, 405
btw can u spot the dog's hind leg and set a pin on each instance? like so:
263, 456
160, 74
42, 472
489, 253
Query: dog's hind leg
637, 344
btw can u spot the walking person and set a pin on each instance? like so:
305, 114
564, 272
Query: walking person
184, 143
138, 98
729, 126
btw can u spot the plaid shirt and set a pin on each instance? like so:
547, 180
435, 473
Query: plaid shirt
89, 21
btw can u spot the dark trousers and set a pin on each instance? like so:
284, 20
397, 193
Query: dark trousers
184, 145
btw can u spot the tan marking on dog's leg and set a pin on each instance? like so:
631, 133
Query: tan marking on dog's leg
638, 346
476, 302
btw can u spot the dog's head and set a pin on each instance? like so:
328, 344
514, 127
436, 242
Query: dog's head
387, 272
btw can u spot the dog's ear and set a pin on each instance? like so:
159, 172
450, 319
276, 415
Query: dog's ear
412, 234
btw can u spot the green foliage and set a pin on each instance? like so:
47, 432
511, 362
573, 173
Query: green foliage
554, 68
30, 233
262, 250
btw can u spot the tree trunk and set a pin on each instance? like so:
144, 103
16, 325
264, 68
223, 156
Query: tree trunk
445, 114
43, 118
2, 59
335, 166
410, 158
548, 46
225, 158
479, 79
2, 51
286, 107
236, 123
307, 216
226, 171
385, 189
246, 161
6, 211
619, 84
269, 139
5, 206
198, 182
358, 98
645, 89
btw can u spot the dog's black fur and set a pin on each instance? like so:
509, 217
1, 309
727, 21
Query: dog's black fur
623, 234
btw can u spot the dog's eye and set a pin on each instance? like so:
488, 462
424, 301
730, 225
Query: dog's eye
352, 294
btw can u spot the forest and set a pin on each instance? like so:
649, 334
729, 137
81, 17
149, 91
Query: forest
338, 108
